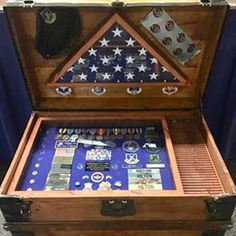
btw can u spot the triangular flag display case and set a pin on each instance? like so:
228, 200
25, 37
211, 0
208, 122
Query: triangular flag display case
117, 54
116, 144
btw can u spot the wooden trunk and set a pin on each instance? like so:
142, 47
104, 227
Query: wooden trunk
203, 197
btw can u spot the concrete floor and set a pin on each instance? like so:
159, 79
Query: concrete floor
230, 164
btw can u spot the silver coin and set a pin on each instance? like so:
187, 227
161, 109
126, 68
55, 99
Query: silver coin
37, 165
35, 172
32, 181
77, 184
29, 189
130, 146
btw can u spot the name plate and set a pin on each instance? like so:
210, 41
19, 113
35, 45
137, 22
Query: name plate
97, 166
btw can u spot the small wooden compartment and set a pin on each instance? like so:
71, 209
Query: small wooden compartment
192, 192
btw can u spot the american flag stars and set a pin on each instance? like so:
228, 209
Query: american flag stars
92, 52
129, 59
93, 68
117, 32
82, 77
117, 51
141, 68
117, 68
81, 60
130, 42
117, 57
104, 42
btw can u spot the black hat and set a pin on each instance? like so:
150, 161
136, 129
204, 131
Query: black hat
57, 30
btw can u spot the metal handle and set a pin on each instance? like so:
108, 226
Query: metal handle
118, 208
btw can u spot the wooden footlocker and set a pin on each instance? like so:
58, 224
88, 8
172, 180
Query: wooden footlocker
116, 144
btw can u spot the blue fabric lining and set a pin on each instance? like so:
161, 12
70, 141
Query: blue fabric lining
220, 97
15, 106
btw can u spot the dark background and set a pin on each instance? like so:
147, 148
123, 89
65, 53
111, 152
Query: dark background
219, 102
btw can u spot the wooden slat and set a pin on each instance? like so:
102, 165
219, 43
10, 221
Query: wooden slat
206, 168
197, 170
217, 159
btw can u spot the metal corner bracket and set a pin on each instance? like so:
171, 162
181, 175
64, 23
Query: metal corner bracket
212, 2
15, 208
221, 208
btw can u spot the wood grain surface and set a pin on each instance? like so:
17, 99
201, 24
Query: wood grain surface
202, 24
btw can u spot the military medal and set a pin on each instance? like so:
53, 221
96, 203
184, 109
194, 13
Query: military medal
58, 136
108, 177
131, 158
98, 154
123, 131
136, 134
62, 130
77, 131
118, 184
70, 131
100, 131
154, 158
88, 186
105, 186
92, 132
116, 131
74, 137
97, 177
130, 146
151, 147
66, 137
85, 177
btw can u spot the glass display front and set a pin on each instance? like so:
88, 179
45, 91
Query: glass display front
84, 158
